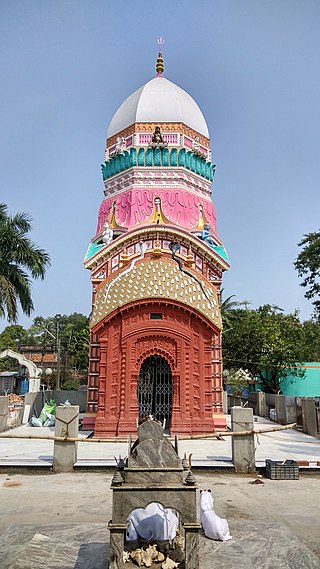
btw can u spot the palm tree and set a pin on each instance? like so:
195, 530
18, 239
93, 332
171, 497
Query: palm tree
20, 260
227, 308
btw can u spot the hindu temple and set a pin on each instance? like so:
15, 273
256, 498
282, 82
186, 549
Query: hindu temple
156, 265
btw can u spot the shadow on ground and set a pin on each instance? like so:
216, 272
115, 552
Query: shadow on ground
92, 555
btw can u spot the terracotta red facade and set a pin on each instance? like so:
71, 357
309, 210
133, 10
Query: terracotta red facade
188, 344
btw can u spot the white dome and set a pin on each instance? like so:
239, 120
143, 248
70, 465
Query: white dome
159, 101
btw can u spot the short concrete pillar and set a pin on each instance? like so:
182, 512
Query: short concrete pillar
4, 402
243, 451
285, 409
65, 453
309, 417
225, 402
262, 408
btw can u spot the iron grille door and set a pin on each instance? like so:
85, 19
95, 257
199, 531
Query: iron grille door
155, 389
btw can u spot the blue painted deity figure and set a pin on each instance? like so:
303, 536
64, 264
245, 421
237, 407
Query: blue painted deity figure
206, 236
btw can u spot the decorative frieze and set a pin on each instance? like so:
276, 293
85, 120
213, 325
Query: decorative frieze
178, 128
155, 178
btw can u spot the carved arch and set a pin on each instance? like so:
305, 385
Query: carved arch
156, 346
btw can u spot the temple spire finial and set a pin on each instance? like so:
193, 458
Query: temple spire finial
159, 64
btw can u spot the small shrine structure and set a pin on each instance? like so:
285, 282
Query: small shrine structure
154, 473
156, 265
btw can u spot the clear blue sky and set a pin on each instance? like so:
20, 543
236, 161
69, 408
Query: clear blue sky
253, 68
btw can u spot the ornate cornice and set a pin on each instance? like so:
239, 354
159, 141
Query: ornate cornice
156, 232
165, 158
165, 127
156, 178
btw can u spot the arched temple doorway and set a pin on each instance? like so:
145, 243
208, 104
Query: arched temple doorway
155, 389
169, 368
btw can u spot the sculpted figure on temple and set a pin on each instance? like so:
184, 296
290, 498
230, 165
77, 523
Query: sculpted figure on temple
157, 136
107, 234
120, 145
206, 236
196, 145
157, 140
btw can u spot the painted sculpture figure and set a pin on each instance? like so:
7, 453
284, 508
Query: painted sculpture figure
107, 234
157, 139
206, 235
214, 527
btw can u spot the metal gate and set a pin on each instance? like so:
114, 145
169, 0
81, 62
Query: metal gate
155, 389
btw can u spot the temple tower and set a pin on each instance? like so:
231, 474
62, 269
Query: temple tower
156, 265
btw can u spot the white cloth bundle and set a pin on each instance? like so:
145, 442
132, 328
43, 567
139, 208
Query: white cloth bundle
214, 527
154, 523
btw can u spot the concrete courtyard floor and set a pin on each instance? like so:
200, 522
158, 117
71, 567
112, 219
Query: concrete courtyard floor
59, 521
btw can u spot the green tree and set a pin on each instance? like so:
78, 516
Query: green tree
308, 266
311, 348
265, 342
238, 380
74, 337
227, 307
20, 261
12, 336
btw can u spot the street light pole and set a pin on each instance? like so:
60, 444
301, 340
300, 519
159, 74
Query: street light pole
57, 317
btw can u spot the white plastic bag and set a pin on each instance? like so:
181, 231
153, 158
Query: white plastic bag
50, 420
214, 527
35, 422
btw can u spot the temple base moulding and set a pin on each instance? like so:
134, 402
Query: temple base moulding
125, 427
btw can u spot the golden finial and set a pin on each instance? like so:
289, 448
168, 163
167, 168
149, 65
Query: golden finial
159, 64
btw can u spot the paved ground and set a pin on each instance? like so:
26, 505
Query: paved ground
208, 453
59, 521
